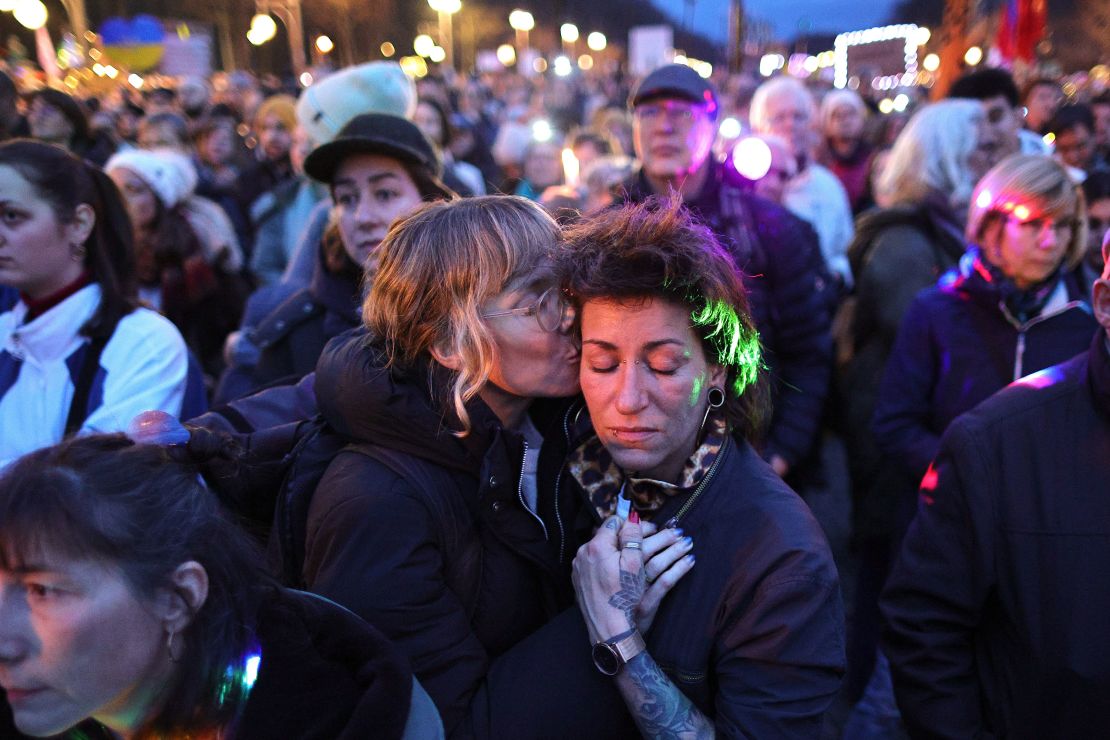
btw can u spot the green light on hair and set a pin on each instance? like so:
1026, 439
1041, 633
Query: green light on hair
737, 347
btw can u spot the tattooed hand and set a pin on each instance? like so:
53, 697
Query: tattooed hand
609, 578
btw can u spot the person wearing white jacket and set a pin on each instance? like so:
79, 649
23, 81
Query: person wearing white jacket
77, 353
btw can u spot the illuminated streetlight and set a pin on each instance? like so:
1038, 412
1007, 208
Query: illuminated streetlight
324, 44
437, 54
522, 22
569, 34
596, 41
30, 14
445, 6
506, 54
445, 9
423, 45
562, 66
973, 56
264, 27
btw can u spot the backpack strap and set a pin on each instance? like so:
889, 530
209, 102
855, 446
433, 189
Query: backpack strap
82, 386
454, 518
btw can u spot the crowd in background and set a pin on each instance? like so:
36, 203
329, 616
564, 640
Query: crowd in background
225, 235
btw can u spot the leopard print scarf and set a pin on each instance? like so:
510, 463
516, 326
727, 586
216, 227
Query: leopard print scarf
594, 469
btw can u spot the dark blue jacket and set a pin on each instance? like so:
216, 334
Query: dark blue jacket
791, 295
958, 345
996, 612
753, 635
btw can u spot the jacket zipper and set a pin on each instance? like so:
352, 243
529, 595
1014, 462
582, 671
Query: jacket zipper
1019, 355
520, 492
558, 482
674, 520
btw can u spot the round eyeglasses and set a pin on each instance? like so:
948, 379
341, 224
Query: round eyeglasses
550, 309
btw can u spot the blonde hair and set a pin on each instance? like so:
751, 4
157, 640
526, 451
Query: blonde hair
932, 153
1037, 184
438, 266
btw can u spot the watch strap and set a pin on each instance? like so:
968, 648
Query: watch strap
629, 647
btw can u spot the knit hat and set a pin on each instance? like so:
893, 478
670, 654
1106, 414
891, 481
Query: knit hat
376, 87
282, 107
373, 133
170, 175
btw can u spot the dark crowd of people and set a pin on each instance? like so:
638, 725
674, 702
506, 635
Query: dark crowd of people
494, 407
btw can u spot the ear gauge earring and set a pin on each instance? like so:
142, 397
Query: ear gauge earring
79, 252
716, 398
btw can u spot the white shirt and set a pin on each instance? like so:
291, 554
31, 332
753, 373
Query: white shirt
142, 368
815, 195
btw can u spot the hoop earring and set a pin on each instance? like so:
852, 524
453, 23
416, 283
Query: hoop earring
79, 252
716, 398
169, 647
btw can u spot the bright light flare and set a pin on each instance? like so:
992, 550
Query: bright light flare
752, 158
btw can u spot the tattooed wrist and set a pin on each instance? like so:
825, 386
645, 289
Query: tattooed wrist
658, 707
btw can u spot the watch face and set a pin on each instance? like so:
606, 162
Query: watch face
606, 659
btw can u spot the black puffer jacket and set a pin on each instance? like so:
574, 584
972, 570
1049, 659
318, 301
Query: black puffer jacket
456, 575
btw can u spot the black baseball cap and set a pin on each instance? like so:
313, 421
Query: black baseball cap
374, 133
676, 81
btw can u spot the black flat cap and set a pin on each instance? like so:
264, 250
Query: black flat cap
373, 133
675, 81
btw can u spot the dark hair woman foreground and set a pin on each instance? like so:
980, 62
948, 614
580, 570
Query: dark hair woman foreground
131, 607
750, 642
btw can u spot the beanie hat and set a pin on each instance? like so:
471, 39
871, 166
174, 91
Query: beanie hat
376, 87
170, 175
282, 107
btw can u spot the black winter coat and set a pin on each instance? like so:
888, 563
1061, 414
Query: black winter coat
791, 295
897, 253
324, 674
996, 612
294, 334
456, 578
753, 635
959, 345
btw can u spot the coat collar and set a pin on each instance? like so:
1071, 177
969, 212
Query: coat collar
53, 335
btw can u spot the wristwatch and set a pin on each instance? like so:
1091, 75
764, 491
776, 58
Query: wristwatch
611, 655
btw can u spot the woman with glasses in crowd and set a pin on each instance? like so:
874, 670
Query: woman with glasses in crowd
1014, 305
441, 526
750, 643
